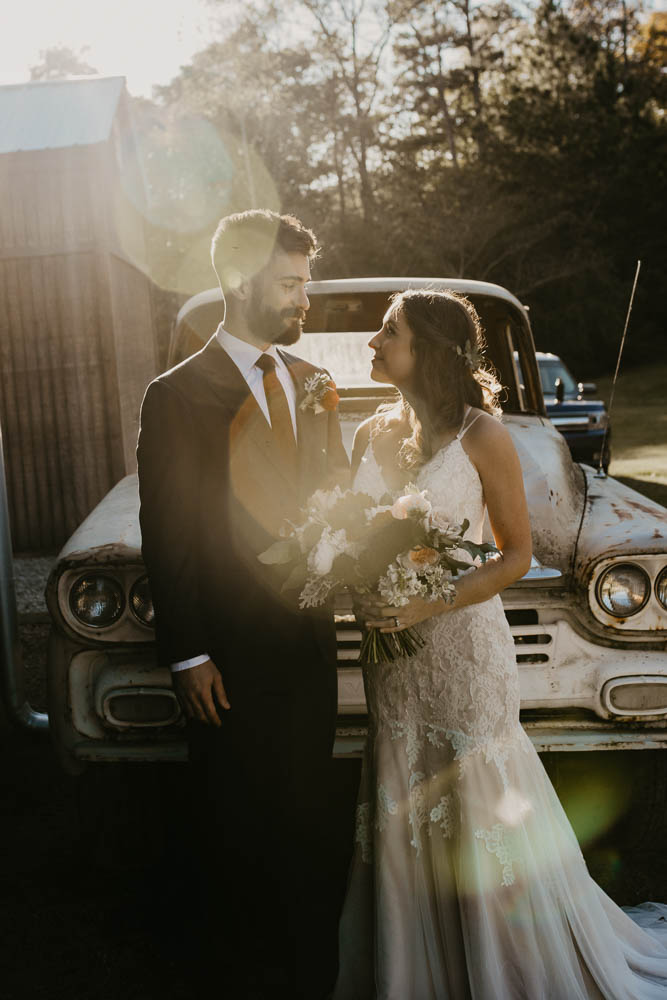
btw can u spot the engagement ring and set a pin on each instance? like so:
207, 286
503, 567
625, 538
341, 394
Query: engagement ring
397, 624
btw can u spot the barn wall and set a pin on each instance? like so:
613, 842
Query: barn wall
75, 342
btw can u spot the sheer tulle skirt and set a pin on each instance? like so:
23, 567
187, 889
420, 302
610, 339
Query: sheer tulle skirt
468, 881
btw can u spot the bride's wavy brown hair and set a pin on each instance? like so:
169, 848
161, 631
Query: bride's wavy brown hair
445, 382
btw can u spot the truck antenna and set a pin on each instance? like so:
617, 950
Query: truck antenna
601, 474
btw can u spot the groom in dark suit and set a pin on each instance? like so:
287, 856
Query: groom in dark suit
226, 453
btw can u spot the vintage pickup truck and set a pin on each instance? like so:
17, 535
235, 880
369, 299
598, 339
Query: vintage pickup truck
589, 619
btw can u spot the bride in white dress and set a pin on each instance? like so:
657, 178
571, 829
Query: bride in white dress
467, 879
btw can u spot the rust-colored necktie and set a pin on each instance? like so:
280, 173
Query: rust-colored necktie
279, 412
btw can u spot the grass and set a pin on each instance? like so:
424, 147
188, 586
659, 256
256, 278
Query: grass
639, 429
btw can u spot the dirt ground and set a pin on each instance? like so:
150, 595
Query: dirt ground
95, 878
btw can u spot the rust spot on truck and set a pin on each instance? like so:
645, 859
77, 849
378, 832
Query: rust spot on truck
655, 511
657, 534
621, 514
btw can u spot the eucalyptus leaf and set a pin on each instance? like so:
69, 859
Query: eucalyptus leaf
479, 551
279, 553
454, 564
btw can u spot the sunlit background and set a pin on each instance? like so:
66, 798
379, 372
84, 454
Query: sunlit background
144, 40
433, 156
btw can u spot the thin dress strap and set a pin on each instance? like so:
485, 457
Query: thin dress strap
466, 427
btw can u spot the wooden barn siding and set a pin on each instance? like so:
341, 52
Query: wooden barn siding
60, 410
67, 423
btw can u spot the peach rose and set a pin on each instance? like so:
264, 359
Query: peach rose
330, 399
422, 556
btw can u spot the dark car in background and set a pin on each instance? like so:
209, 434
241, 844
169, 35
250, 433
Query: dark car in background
574, 411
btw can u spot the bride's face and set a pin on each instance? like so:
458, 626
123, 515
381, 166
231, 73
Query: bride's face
393, 360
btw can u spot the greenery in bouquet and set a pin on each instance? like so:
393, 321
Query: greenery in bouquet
398, 549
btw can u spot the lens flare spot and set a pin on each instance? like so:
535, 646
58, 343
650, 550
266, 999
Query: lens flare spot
179, 174
513, 808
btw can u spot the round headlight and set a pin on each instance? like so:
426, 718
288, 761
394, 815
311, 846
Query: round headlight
623, 590
661, 587
141, 602
97, 601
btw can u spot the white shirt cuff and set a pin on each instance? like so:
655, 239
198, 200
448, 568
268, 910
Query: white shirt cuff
194, 661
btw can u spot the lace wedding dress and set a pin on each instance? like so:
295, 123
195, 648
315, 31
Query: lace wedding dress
467, 879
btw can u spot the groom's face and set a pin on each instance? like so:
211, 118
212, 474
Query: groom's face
278, 302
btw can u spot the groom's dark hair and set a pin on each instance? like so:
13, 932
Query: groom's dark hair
244, 242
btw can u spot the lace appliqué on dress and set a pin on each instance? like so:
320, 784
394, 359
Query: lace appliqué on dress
502, 842
443, 815
417, 816
386, 807
410, 732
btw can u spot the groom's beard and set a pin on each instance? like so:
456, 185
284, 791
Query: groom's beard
279, 326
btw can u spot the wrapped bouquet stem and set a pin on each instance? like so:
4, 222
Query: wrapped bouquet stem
400, 548
382, 647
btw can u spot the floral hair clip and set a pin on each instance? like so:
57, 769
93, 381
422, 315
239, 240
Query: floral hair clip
470, 354
320, 395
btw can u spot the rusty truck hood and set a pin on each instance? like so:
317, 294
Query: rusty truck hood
617, 521
111, 532
554, 486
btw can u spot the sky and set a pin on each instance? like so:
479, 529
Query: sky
144, 40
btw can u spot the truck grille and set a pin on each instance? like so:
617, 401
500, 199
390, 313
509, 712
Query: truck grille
348, 639
534, 642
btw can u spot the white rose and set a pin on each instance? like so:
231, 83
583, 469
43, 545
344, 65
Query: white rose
405, 505
322, 501
439, 521
330, 545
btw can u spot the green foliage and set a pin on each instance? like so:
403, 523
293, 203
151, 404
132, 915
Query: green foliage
493, 140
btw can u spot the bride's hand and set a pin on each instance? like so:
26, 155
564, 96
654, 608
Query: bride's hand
388, 619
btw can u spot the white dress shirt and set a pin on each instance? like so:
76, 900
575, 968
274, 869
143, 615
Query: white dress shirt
245, 357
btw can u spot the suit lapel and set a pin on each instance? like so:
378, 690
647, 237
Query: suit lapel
223, 376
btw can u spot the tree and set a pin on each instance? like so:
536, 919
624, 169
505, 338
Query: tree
650, 44
353, 36
60, 62
451, 53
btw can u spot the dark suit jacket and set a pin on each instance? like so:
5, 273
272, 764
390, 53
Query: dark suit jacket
213, 496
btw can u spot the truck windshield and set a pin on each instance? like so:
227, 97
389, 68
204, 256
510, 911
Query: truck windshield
339, 325
346, 355
550, 370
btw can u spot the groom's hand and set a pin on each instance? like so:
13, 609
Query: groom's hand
200, 692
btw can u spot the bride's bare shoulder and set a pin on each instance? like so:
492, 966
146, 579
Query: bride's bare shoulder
487, 438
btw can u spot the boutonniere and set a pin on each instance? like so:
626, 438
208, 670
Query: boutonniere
320, 395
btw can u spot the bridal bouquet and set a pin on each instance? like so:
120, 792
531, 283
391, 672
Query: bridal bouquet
400, 548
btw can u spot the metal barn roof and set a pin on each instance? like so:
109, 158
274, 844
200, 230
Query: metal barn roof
54, 114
